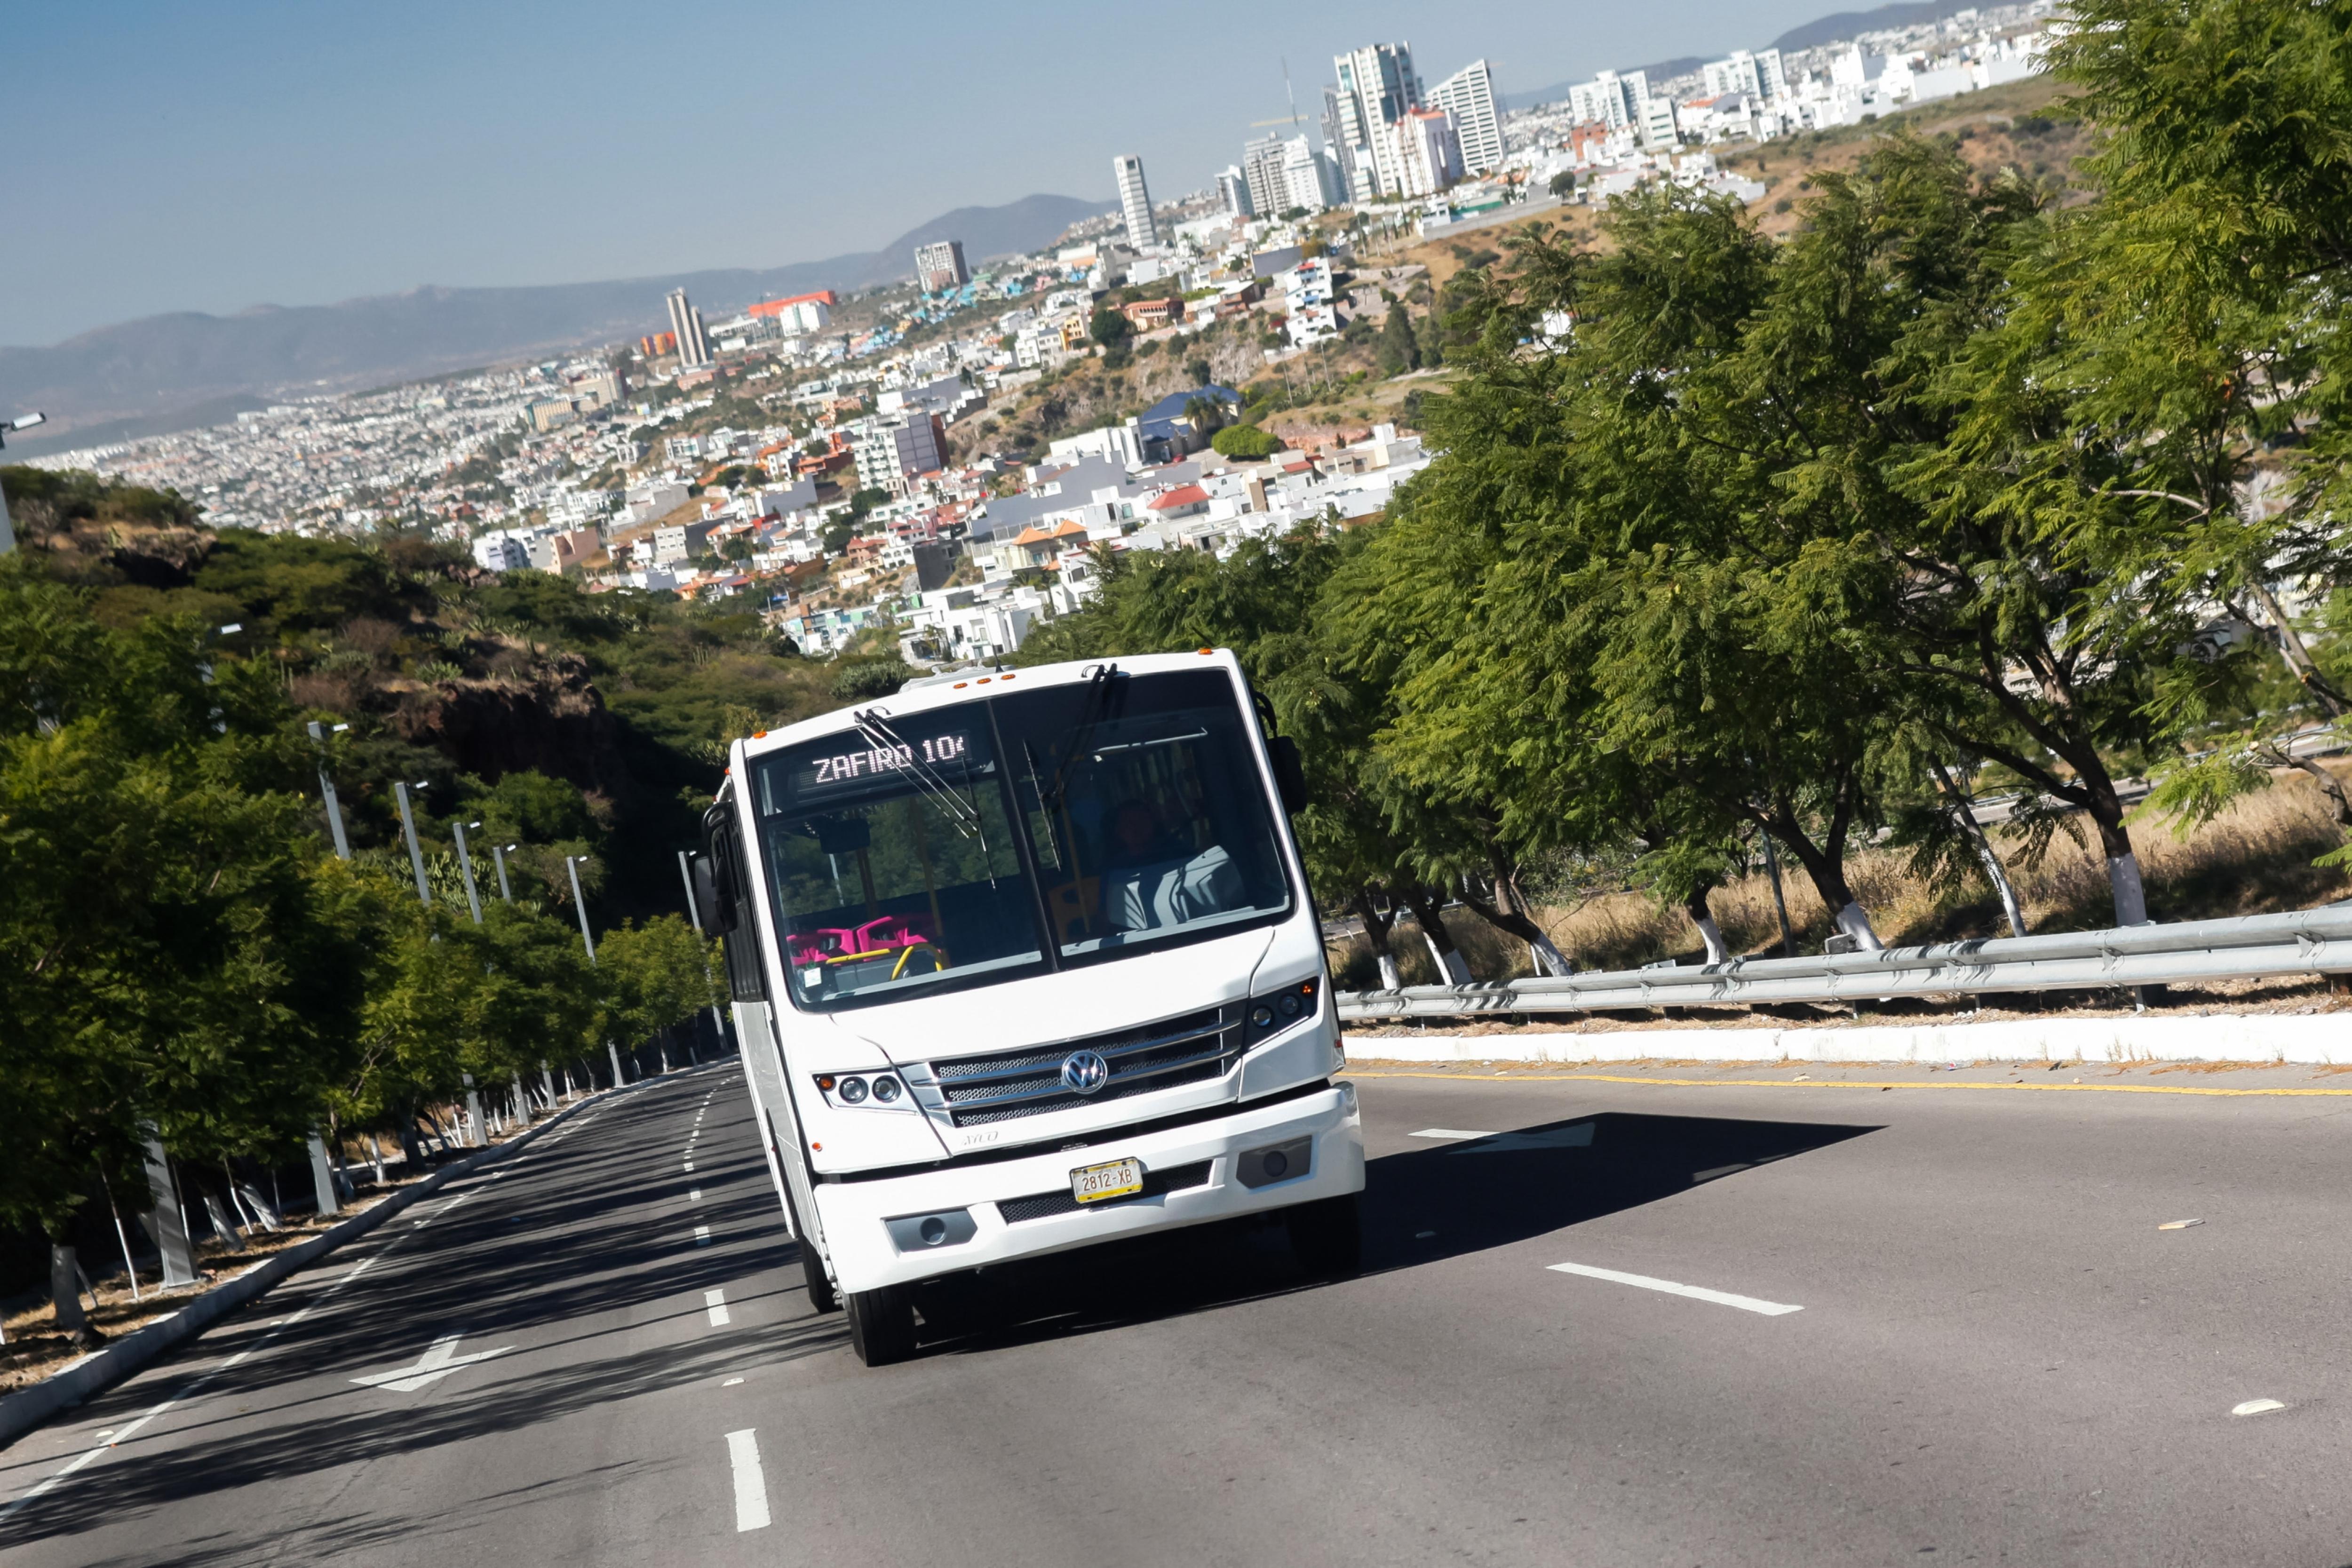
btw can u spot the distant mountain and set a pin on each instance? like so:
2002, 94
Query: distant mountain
182, 371
1848, 23
1558, 91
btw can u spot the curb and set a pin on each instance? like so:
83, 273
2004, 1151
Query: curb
2255, 1039
101, 1370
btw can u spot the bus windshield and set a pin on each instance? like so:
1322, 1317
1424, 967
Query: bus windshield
1141, 817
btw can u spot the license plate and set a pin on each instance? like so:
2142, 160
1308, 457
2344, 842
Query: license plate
1100, 1183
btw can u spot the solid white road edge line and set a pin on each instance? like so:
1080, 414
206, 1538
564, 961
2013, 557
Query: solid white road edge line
717, 1301
751, 1486
1447, 1132
1696, 1292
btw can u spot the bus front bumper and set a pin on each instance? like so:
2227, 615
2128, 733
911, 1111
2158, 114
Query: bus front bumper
1256, 1159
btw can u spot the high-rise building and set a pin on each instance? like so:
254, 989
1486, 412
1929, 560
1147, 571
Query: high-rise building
1380, 80
1233, 192
686, 321
1757, 75
1135, 200
1468, 96
1338, 141
1269, 190
1428, 155
1617, 102
940, 265
1302, 174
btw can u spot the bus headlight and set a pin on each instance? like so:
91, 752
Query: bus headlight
871, 1089
1269, 1013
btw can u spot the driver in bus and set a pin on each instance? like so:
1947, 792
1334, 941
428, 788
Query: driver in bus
1153, 881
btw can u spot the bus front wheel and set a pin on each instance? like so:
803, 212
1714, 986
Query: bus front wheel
881, 1324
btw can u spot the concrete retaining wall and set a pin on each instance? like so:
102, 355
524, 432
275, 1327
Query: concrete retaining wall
2320, 1040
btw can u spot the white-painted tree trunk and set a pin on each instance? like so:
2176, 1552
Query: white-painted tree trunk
1391, 979
1855, 922
2131, 896
221, 1226
1453, 969
1547, 959
1718, 950
65, 1289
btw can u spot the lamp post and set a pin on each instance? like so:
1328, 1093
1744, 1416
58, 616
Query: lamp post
408, 826
498, 853
327, 788
7, 529
572, 868
465, 865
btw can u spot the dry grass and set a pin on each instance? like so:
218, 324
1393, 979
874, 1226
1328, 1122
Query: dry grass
2254, 858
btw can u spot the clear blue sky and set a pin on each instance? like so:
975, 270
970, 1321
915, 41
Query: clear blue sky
211, 156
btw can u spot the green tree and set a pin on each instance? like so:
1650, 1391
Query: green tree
1245, 442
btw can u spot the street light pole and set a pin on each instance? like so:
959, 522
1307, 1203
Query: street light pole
498, 853
7, 529
572, 867
415, 855
327, 789
465, 865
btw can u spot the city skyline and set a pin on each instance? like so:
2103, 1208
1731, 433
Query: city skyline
262, 191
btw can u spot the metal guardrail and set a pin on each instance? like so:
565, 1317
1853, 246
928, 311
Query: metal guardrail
2304, 941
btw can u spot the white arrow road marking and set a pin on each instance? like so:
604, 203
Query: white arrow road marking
751, 1484
1447, 1132
1696, 1292
1577, 1137
439, 1361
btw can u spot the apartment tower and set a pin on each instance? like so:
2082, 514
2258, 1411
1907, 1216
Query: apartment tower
1468, 95
686, 324
1135, 201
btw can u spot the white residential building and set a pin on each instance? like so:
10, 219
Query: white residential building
1135, 201
1377, 86
1428, 157
500, 553
1617, 102
1756, 76
1468, 96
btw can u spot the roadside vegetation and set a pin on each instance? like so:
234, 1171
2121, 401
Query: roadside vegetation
1959, 485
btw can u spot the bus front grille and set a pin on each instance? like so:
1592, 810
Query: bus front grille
1203, 1045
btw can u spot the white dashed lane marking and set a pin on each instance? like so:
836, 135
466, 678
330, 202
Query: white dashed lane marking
751, 1484
1668, 1287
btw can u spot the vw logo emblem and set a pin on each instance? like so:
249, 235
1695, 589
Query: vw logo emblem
1083, 1072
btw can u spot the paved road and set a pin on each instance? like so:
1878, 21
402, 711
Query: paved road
1997, 1356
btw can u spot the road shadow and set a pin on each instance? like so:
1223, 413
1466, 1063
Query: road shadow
1420, 1207
592, 1238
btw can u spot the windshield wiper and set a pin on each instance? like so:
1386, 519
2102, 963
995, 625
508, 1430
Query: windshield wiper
1098, 690
879, 734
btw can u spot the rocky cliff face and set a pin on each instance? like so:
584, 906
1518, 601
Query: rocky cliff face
550, 718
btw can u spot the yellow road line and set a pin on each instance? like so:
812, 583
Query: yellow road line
1850, 1083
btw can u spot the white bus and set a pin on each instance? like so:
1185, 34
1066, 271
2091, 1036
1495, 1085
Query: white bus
1025, 961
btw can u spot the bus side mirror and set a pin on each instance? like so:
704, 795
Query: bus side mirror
1289, 774
712, 903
